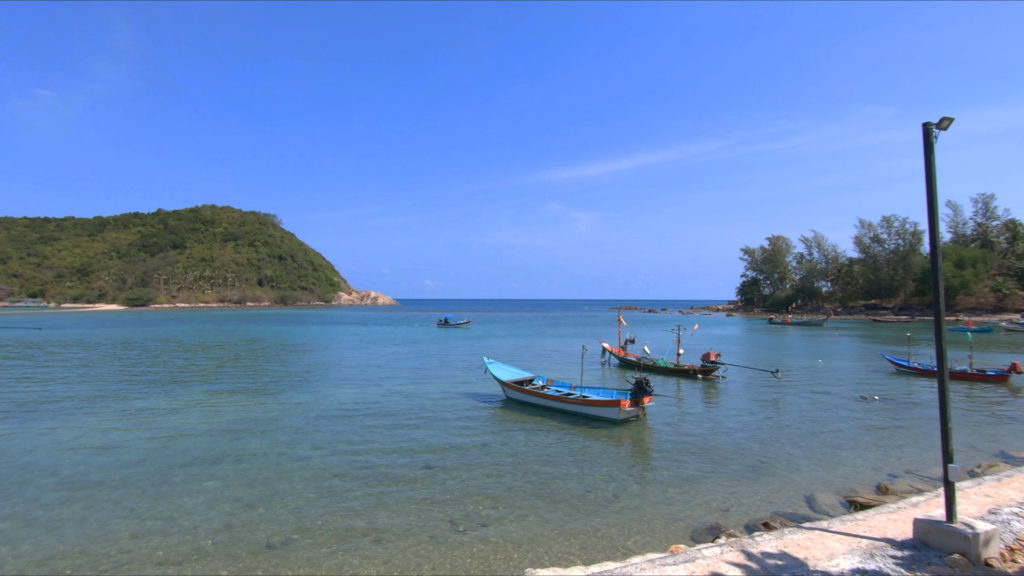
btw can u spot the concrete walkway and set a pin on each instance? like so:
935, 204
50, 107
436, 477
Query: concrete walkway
850, 543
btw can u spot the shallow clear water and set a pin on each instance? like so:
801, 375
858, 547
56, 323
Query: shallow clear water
366, 440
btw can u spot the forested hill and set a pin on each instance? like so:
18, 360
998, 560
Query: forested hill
205, 254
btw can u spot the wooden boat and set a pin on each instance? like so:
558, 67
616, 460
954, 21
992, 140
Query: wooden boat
970, 327
891, 319
1013, 327
449, 321
613, 404
790, 321
649, 363
957, 372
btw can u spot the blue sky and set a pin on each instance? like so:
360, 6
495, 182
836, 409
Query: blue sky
514, 150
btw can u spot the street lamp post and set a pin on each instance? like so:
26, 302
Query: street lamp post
930, 135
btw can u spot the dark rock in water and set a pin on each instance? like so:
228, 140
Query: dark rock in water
986, 468
1014, 457
278, 542
827, 504
862, 500
729, 534
709, 532
769, 524
901, 488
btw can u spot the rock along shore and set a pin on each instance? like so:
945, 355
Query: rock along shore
876, 541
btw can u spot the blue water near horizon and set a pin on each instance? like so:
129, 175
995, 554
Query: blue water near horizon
368, 441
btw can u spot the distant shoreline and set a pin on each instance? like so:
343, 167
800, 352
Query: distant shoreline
727, 309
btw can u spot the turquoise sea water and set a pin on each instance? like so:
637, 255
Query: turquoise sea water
366, 440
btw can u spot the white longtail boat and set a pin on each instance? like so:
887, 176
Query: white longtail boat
605, 403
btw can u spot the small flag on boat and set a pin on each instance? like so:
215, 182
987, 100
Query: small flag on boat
622, 320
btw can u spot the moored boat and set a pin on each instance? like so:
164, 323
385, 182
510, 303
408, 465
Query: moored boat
995, 375
612, 404
790, 321
649, 363
970, 327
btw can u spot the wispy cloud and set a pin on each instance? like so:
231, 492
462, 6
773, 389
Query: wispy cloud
855, 131
606, 167
630, 162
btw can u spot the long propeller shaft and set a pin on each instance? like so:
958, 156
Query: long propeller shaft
777, 373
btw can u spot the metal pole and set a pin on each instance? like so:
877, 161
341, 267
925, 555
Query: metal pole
939, 304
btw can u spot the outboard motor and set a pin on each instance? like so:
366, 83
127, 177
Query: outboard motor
710, 357
641, 387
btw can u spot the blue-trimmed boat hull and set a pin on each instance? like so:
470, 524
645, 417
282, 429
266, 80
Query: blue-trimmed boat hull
994, 375
612, 404
970, 328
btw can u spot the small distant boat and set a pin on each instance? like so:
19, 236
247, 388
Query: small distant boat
790, 321
612, 404
891, 319
649, 363
957, 372
449, 321
1013, 327
970, 327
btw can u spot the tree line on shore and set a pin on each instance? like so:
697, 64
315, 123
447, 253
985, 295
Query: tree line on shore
203, 254
982, 264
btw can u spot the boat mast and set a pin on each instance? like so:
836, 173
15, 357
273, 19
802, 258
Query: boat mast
582, 354
679, 342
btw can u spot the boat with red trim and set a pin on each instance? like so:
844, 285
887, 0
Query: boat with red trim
993, 375
612, 404
647, 362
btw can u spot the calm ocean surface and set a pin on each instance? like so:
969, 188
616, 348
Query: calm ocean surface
366, 440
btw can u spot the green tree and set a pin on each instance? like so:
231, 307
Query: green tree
889, 256
1011, 252
958, 227
768, 272
986, 220
817, 268
966, 271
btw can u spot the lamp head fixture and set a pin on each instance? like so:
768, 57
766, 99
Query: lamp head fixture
944, 123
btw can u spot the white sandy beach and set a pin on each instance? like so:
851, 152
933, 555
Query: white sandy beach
91, 307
